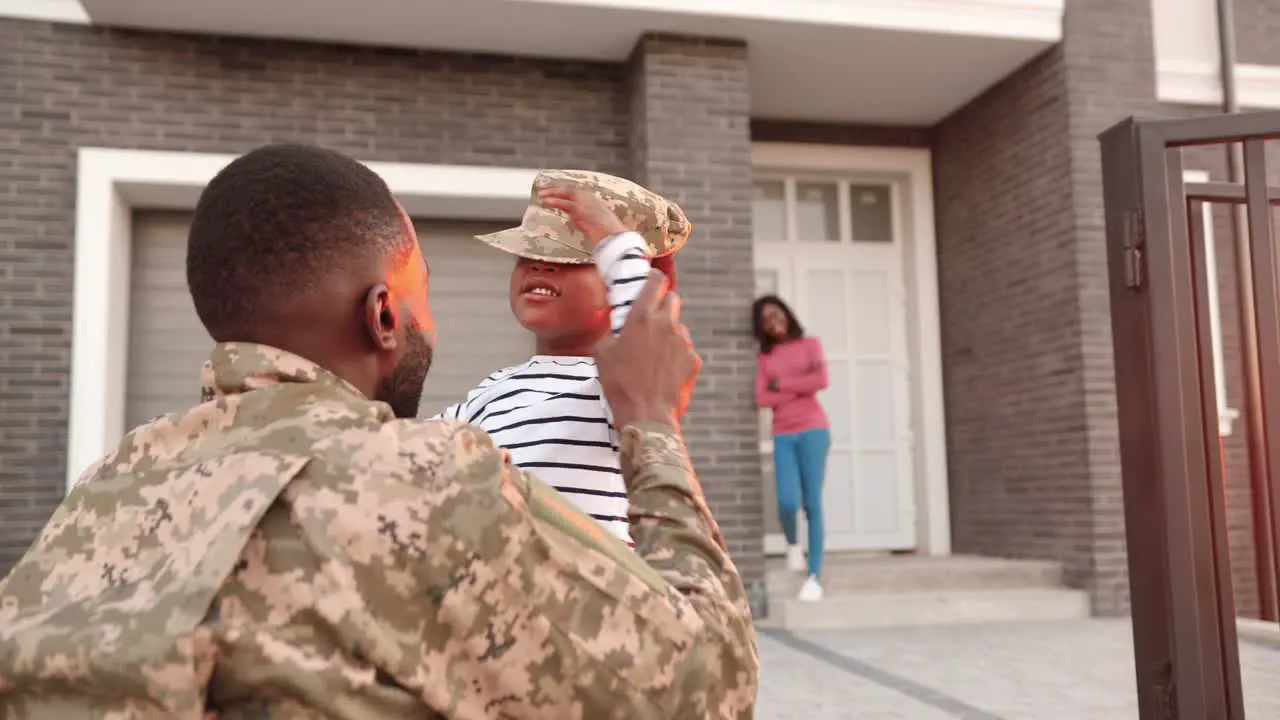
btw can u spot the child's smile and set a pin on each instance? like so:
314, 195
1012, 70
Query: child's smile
539, 289
565, 306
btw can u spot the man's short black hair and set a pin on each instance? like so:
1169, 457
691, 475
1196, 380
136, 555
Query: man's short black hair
275, 222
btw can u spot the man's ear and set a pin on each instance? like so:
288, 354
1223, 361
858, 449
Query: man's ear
381, 320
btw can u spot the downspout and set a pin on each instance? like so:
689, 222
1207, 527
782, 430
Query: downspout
1259, 474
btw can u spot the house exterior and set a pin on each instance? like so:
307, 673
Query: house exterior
919, 178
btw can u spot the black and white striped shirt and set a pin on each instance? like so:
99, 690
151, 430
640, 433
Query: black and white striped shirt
550, 412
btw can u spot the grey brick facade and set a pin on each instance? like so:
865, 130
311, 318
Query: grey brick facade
1257, 26
1027, 349
1011, 339
1026, 328
691, 142
67, 86
1026, 314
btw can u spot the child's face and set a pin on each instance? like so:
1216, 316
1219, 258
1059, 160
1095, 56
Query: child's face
560, 303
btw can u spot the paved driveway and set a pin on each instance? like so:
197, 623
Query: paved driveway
1042, 671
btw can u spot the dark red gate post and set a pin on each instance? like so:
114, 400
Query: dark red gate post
1185, 645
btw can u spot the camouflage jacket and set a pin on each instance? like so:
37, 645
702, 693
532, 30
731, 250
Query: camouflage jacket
289, 549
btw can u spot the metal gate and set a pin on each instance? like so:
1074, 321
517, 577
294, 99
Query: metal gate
1185, 646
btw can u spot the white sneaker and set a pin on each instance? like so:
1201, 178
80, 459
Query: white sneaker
795, 559
811, 591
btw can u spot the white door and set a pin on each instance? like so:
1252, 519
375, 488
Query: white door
850, 294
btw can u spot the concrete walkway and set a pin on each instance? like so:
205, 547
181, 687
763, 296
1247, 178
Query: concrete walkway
1028, 671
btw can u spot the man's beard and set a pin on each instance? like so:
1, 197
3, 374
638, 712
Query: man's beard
402, 388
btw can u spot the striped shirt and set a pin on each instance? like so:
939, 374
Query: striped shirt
550, 412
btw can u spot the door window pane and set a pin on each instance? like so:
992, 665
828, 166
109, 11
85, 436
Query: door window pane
839, 494
836, 400
870, 311
817, 212
876, 497
875, 416
828, 308
769, 211
871, 211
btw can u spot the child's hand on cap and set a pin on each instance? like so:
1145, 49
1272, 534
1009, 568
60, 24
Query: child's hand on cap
588, 213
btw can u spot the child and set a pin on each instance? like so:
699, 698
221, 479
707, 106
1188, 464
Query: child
549, 412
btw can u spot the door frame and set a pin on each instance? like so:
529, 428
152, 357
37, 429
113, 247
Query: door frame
911, 171
792, 261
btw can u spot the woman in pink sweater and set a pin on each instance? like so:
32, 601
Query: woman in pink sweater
790, 370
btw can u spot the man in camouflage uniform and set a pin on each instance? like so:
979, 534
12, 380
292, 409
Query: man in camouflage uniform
298, 546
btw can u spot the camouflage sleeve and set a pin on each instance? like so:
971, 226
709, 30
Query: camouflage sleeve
676, 535
491, 596
672, 526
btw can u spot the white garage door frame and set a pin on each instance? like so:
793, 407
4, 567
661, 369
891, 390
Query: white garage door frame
111, 183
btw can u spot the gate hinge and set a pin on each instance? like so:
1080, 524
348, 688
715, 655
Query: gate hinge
1135, 241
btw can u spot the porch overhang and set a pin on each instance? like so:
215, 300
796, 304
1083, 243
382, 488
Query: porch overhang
894, 62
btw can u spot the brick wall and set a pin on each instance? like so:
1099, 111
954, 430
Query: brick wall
1257, 27
1010, 333
1026, 317
1257, 24
1046, 447
1113, 76
1111, 64
691, 142
67, 86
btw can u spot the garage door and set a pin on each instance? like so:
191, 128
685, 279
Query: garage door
167, 344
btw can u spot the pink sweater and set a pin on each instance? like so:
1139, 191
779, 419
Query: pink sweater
801, 371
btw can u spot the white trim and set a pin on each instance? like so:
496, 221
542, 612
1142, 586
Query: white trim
1039, 20
1016, 19
1226, 414
1258, 86
110, 183
60, 11
1184, 35
933, 514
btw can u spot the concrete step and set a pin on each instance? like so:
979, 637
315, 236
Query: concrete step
847, 572
942, 607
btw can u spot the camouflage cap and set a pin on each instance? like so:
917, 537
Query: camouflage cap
546, 234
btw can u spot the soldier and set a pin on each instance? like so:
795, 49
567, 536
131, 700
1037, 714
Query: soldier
299, 546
